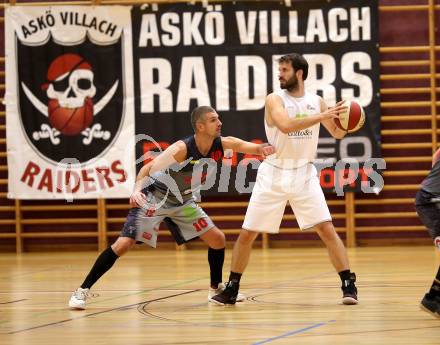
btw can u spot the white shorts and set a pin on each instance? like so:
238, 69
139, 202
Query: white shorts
274, 187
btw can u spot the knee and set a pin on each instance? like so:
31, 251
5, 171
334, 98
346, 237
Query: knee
327, 231
435, 234
218, 240
430, 216
247, 237
215, 238
123, 245
437, 242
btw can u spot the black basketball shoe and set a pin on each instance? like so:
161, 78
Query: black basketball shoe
227, 296
431, 305
349, 291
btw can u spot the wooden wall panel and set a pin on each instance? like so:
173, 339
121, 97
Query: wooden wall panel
410, 134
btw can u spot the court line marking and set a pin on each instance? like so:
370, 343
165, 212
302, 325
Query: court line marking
27, 273
143, 310
140, 292
121, 296
288, 334
98, 313
280, 284
19, 300
378, 330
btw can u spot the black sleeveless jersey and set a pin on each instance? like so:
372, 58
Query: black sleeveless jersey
180, 181
431, 183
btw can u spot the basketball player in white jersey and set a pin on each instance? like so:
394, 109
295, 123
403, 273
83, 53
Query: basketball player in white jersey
292, 121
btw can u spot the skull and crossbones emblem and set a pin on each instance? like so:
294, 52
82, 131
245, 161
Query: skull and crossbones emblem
70, 89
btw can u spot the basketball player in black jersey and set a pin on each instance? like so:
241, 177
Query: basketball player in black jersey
168, 196
428, 209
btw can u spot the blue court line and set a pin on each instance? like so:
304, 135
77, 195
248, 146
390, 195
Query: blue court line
288, 334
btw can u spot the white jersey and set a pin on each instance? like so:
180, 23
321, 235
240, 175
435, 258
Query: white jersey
295, 149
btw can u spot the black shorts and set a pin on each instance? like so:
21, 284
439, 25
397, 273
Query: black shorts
429, 212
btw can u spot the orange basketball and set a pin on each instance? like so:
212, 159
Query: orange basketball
70, 121
352, 119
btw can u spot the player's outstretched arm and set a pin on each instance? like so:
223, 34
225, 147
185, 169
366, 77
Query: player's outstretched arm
242, 146
330, 124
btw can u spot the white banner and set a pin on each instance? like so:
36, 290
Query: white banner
69, 102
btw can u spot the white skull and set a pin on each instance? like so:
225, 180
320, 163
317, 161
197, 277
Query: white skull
72, 92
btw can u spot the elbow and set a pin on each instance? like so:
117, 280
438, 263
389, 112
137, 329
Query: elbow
145, 170
285, 129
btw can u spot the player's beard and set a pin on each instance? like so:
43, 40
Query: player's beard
291, 84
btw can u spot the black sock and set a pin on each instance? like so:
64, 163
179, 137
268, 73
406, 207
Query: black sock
344, 275
435, 287
102, 264
216, 257
234, 280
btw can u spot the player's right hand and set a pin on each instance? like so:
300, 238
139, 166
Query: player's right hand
137, 199
333, 112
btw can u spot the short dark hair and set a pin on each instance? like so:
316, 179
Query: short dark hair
198, 114
297, 61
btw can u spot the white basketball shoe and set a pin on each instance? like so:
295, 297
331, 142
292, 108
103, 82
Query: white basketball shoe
78, 299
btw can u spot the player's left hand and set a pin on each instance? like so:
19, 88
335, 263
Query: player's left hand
267, 150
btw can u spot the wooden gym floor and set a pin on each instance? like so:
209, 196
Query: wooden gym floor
160, 297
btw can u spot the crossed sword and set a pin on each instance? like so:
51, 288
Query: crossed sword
96, 108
